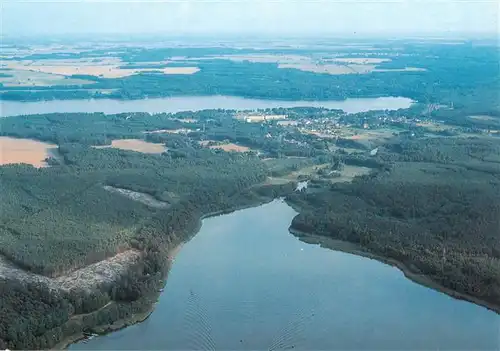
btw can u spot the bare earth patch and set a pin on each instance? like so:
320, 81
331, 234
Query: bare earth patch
146, 199
87, 278
28, 151
483, 118
136, 145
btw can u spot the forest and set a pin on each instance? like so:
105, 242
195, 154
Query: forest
66, 209
435, 206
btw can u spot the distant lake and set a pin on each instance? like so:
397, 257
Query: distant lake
245, 283
193, 103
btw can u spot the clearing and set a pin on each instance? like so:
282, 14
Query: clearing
371, 134
143, 198
483, 118
28, 151
26, 78
224, 146
347, 174
136, 145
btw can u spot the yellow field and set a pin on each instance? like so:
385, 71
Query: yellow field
106, 67
136, 145
28, 151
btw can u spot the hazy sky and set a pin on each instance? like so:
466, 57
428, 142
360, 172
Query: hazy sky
252, 16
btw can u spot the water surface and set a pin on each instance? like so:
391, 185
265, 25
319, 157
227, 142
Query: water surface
244, 282
192, 103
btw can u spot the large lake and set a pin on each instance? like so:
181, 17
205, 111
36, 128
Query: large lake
192, 103
244, 282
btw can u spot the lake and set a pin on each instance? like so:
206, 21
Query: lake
244, 282
193, 103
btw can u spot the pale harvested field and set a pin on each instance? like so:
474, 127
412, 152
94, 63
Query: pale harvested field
372, 135
107, 67
330, 68
107, 71
143, 198
136, 145
171, 131
483, 118
226, 147
28, 151
348, 68
263, 58
361, 60
406, 69
24, 78
231, 147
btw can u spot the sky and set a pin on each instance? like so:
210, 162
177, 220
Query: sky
237, 17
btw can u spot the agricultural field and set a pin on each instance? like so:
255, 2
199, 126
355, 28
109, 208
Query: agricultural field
27, 151
136, 145
224, 146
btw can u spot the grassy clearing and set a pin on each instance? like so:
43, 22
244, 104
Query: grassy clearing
136, 145
372, 134
27, 78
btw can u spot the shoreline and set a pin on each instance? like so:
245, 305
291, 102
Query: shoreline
326, 242
421, 279
104, 329
172, 253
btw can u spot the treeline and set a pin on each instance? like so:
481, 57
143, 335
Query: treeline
433, 209
66, 209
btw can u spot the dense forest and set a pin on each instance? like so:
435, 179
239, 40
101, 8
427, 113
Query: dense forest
67, 208
435, 207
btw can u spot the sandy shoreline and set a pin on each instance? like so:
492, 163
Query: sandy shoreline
422, 279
